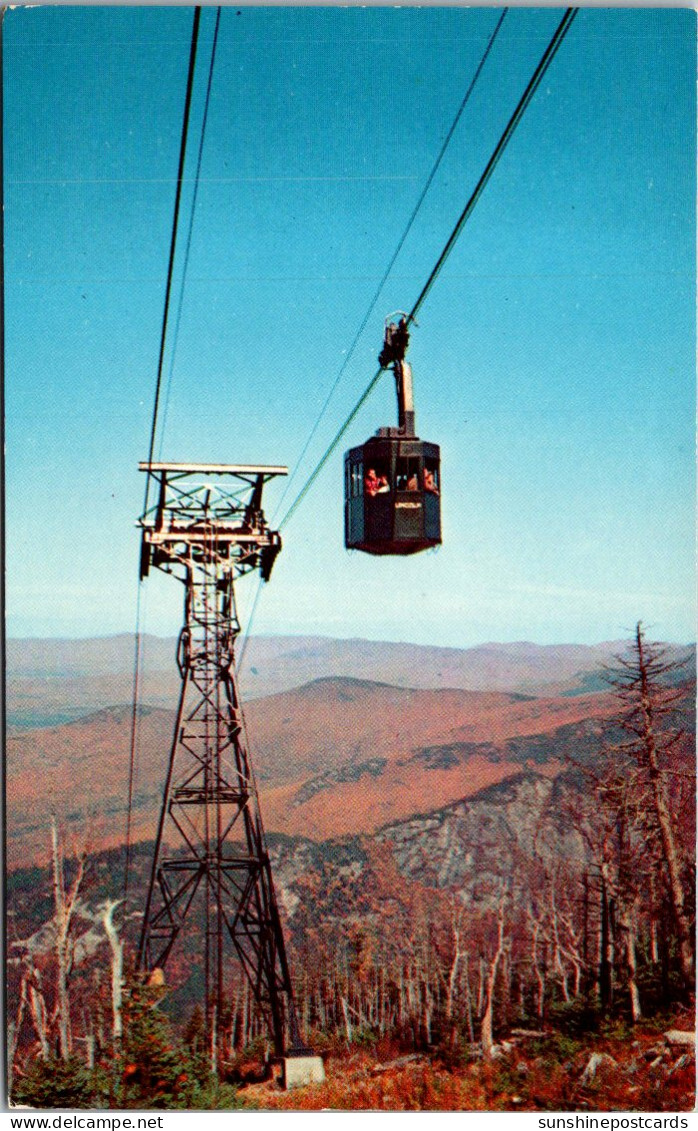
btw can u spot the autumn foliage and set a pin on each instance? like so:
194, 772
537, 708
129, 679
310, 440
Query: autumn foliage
546, 983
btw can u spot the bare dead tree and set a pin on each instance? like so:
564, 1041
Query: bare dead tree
486, 1023
627, 816
64, 904
535, 927
646, 698
38, 1010
457, 927
117, 970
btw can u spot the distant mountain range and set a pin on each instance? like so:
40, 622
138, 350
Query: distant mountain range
52, 681
336, 756
345, 753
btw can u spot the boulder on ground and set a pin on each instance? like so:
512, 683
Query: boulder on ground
599, 1064
682, 1062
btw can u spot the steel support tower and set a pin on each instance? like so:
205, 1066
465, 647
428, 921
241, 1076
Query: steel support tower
207, 528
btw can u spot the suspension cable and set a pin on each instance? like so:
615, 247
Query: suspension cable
513, 122
398, 249
173, 241
163, 338
187, 250
532, 86
248, 628
133, 743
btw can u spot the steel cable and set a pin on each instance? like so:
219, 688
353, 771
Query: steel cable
173, 240
153, 429
192, 213
133, 736
398, 249
513, 122
371, 308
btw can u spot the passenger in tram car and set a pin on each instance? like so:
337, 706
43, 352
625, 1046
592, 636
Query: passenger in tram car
430, 482
412, 483
375, 484
371, 482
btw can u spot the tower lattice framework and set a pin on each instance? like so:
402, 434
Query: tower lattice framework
208, 529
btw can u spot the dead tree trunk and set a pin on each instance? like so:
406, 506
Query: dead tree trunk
605, 965
641, 685
486, 1023
469, 1000
347, 1022
654, 941
631, 963
117, 971
37, 1008
540, 976
666, 829
452, 982
14, 1029
64, 906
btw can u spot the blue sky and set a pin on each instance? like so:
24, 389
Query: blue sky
553, 362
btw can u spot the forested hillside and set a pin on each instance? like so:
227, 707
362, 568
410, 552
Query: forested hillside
523, 942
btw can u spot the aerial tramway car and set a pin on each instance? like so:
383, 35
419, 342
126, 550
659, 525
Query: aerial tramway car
392, 483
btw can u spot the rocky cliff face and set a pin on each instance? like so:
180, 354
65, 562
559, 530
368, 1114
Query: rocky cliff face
470, 845
467, 847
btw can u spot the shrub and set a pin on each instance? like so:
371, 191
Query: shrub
159, 1071
555, 1048
365, 1038
56, 1083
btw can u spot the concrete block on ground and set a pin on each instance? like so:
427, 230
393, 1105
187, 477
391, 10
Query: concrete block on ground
680, 1038
297, 1071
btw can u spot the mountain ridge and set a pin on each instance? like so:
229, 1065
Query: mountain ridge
54, 680
338, 755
